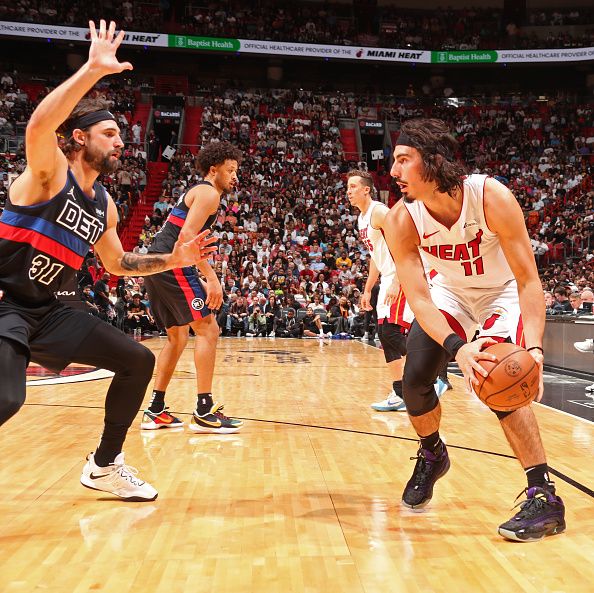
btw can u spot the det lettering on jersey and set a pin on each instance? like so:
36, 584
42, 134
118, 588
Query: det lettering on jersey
81, 223
468, 254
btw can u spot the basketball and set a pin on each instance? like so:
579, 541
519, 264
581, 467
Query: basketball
513, 380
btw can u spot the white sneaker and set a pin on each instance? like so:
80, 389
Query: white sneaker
585, 346
117, 478
393, 403
590, 387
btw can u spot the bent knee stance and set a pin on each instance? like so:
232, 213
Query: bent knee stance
142, 364
13, 366
418, 394
423, 362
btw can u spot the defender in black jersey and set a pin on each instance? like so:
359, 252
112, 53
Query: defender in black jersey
180, 300
54, 212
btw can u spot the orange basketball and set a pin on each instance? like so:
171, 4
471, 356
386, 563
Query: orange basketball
512, 381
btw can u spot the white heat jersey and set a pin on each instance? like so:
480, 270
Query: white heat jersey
374, 240
467, 255
399, 312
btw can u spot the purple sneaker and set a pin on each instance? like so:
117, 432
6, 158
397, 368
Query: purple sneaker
428, 469
542, 513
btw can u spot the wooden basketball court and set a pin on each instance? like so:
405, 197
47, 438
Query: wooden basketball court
306, 498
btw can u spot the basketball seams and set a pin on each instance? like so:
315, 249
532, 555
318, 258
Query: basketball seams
513, 384
503, 399
495, 366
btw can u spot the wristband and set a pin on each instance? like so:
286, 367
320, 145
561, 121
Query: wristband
535, 348
453, 343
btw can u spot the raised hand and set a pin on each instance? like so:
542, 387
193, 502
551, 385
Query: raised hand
102, 54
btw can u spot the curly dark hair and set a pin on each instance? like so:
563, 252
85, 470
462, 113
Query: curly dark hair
216, 153
87, 104
433, 139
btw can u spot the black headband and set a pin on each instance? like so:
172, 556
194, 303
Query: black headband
88, 120
404, 140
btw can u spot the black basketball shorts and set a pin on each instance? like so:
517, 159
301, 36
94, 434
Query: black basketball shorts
393, 340
177, 297
51, 333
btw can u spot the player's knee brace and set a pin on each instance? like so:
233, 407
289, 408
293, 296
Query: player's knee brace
419, 399
393, 341
418, 394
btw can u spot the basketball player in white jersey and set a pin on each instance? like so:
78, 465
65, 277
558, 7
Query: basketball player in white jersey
394, 316
473, 235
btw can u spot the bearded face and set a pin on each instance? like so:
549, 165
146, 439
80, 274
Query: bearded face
104, 162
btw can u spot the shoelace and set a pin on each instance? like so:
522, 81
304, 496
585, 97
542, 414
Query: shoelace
128, 473
218, 413
530, 506
424, 469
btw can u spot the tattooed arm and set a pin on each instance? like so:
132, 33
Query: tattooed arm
116, 261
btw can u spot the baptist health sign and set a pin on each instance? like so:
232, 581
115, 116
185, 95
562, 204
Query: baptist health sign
501, 56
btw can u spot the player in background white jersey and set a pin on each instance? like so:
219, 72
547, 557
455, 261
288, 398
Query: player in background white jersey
477, 242
393, 315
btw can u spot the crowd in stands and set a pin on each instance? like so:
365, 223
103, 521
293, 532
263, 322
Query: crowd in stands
322, 22
288, 252
131, 14
16, 107
288, 232
474, 28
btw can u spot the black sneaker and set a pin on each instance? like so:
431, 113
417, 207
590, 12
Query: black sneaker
541, 514
428, 469
215, 421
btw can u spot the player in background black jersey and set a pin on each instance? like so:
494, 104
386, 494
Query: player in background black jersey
180, 300
55, 210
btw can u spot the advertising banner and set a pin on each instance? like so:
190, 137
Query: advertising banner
77, 34
306, 50
504, 56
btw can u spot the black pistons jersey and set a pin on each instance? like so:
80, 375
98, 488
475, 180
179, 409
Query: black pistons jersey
165, 239
42, 246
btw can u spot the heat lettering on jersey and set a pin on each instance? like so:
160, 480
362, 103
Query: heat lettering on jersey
364, 239
468, 254
81, 223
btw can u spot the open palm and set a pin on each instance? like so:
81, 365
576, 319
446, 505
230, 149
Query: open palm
102, 54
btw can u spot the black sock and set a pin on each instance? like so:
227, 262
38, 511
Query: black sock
397, 385
538, 475
433, 443
112, 441
204, 403
157, 404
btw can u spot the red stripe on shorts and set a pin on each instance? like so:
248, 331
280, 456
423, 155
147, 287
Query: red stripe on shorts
187, 291
454, 324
